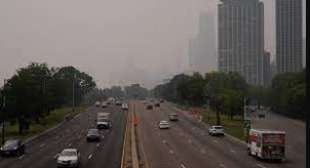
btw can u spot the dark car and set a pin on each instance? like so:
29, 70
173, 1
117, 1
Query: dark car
13, 147
93, 135
157, 104
149, 107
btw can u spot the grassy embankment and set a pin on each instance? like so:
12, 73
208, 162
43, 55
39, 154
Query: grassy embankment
233, 127
55, 117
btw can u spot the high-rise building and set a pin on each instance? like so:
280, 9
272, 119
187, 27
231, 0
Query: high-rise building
241, 38
289, 35
267, 69
202, 48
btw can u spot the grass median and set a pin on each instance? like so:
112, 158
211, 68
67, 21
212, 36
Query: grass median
232, 127
55, 117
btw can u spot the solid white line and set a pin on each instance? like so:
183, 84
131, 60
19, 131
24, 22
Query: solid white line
90, 156
261, 166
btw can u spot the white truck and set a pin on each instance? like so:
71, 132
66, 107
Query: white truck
267, 144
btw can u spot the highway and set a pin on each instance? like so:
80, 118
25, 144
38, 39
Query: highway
42, 151
187, 145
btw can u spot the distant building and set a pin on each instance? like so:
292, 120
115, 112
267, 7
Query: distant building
289, 35
267, 69
241, 39
202, 48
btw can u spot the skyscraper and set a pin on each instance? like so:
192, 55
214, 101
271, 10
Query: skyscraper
202, 48
267, 69
241, 38
289, 35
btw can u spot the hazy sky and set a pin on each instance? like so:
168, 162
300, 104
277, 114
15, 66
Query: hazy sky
116, 41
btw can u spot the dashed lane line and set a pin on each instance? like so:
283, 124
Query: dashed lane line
261, 166
182, 166
21, 157
222, 165
90, 156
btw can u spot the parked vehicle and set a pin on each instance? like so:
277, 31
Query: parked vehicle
216, 130
104, 104
173, 117
267, 144
69, 158
157, 104
13, 147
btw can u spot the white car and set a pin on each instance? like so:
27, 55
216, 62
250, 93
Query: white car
69, 158
164, 125
97, 104
216, 130
125, 106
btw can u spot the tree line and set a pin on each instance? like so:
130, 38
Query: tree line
227, 93
33, 91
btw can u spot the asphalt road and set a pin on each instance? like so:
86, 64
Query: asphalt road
187, 145
295, 135
41, 152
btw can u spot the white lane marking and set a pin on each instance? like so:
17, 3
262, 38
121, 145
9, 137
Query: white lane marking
190, 141
42, 145
232, 151
77, 115
222, 165
261, 166
215, 141
90, 156
70, 144
164, 141
98, 145
21, 157
182, 166
171, 151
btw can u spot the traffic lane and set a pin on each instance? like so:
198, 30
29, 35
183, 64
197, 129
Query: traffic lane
156, 151
109, 153
182, 148
295, 135
36, 148
234, 150
43, 151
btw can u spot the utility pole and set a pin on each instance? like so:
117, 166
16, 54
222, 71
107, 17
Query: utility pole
73, 93
3, 110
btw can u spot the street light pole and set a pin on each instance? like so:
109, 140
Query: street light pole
73, 93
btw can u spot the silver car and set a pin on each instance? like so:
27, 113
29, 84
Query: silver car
69, 158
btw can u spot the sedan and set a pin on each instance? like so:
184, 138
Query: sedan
93, 135
164, 125
69, 158
216, 130
12, 147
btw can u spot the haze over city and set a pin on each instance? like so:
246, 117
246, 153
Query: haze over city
117, 42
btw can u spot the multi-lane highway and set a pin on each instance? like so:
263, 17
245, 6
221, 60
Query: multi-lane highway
187, 145
42, 151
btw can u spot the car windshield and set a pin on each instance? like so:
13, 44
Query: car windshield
10, 143
218, 127
68, 153
93, 131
